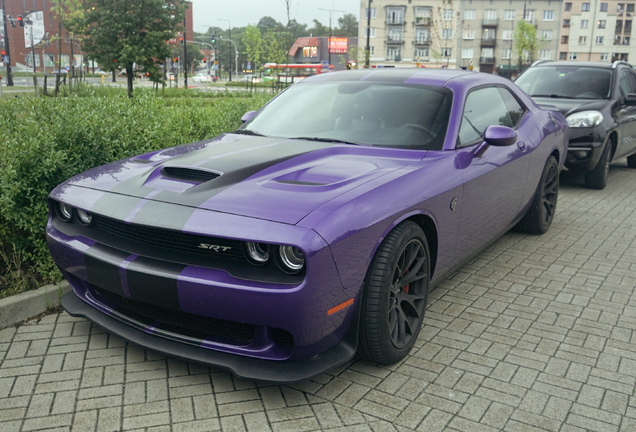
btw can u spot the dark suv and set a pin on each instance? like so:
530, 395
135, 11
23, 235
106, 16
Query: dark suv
599, 103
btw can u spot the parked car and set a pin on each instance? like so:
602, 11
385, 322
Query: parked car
599, 102
251, 78
202, 77
314, 231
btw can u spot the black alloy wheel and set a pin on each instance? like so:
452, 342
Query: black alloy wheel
543, 208
597, 178
631, 161
395, 295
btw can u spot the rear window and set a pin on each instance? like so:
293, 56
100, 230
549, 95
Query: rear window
571, 82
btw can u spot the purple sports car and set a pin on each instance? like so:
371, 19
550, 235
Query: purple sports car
316, 230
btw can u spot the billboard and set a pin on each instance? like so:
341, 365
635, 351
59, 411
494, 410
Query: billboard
37, 27
338, 45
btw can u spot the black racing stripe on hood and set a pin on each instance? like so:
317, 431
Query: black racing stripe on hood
236, 161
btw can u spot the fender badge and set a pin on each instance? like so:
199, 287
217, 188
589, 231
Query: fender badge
453, 204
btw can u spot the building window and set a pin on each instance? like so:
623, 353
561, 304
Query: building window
599, 40
544, 54
585, 7
366, 12
421, 53
630, 7
469, 34
488, 53
394, 54
394, 35
548, 15
604, 56
584, 23
372, 51
567, 7
467, 53
620, 7
619, 26
470, 14
505, 53
546, 35
601, 23
603, 7
566, 23
574, 56
372, 32
509, 15
582, 40
525, 55
563, 55
506, 34
422, 35
447, 52
628, 27
310, 51
447, 14
447, 33
423, 15
395, 16
529, 18
490, 14
565, 39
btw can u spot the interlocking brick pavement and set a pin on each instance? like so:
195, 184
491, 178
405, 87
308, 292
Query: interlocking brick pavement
536, 333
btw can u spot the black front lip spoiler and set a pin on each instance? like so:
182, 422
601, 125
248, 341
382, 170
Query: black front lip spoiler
243, 367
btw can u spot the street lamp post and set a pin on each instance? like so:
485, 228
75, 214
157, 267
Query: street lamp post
35, 80
367, 52
229, 46
331, 11
6, 46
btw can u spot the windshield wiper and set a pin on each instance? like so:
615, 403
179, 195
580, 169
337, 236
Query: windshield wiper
247, 132
330, 140
553, 95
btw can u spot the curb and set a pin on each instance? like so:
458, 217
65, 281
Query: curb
25, 305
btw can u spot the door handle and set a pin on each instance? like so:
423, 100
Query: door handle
521, 145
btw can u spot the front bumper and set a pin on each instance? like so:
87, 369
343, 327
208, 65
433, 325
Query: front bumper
244, 367
587, 140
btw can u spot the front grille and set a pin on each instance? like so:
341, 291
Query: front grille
282, 337
188, 324
188, 174
174, 240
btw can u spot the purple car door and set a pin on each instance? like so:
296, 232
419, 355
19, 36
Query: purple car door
494, 177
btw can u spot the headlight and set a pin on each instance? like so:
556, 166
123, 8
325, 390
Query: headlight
84, 217
292, 259
585, 119
63, 211
257, 253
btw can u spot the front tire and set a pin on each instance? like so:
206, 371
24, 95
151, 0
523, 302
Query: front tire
597, 178
543, 208
631, 161
394, 296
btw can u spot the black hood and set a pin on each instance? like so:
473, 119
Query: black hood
570, 106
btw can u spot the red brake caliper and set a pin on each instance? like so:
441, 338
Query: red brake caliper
406, 288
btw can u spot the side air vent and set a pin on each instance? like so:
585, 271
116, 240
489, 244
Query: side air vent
188, 174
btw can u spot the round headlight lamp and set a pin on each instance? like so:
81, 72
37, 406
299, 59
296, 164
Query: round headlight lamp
257, 253
84, 217
292, 259
64, 211
585, 119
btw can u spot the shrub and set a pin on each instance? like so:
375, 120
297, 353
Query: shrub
47, 140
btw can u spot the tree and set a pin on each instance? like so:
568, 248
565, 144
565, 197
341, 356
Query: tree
128, 32
347, 26
273, 48
318, 29
444, 25
268, 23
253, 46
525, 41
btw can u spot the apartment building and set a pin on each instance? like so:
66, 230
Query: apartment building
597, 30
460, 33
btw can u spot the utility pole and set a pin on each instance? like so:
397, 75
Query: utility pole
35, 79
331, 11
6, 46
185, 56
71, 64
367, 52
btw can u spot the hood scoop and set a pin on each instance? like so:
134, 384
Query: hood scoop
192, 175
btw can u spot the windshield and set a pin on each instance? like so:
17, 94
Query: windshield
377, 114
567, 82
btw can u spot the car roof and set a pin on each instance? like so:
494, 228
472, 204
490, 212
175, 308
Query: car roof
596, 64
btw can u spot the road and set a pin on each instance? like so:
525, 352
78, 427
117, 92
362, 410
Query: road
537, 333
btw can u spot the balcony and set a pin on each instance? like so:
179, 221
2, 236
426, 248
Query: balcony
394, 41
486, 60
490, 22
490, 41
422, 41
395, 21
423, 21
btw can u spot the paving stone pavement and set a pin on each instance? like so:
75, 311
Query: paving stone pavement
536, 333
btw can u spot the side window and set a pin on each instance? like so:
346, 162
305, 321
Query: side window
624, 85
515, 110
483, 107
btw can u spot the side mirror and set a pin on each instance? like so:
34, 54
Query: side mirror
248, 116
630, 99
500, 136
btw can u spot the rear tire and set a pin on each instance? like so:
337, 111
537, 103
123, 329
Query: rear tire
631, 161
394, 295
597, 178
543, 208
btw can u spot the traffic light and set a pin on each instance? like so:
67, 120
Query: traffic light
3, 53
205, 60
20, 21
175, 60
213, 39
181, 41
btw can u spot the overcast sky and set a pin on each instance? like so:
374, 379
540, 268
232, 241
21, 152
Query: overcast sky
243, 12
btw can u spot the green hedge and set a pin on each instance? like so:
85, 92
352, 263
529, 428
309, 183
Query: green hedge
47, 140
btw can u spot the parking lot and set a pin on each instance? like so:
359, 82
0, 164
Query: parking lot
536, 333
